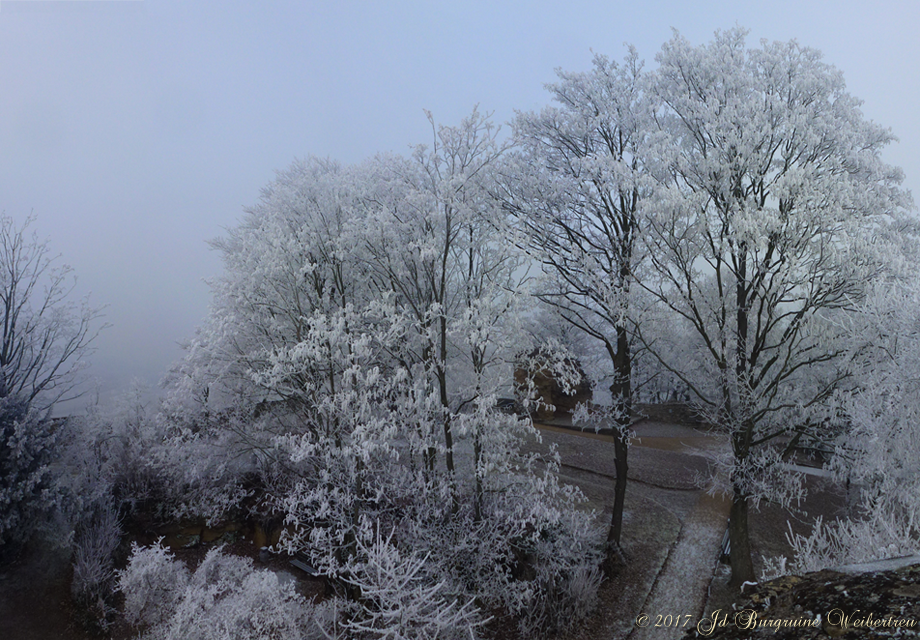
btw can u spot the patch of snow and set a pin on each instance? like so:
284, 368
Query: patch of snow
285, 577
889, 564
809, 471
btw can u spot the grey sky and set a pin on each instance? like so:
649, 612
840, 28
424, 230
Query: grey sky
135, 131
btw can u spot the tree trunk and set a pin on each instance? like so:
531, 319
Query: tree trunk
740, 552
477, 473
621, 395
615, 558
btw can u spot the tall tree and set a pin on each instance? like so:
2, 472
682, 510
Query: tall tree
769, 191
574, 191
291, 258
433, 252
44, 336
375, 310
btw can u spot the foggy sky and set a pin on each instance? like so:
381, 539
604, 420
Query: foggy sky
137, 130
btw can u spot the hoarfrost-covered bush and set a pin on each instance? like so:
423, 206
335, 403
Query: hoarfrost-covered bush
567, 561
557, 552
877, 453
224, 598
28, 490
153, 583
531, 555
851, 541
401, 599
773, 567
95, 542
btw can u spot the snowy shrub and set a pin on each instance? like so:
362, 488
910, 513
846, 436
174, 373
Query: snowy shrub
95, 543
400, 598
153, 584
773, 567
878, 451
224, 598
852, 540
568, 575
556, 550
28, 491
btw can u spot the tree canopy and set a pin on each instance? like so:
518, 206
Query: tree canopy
770, 209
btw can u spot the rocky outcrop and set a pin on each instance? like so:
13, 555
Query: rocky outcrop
550, 393
190, 533
843, 603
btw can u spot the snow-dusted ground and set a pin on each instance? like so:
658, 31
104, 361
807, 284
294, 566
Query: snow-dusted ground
890, 564
672, 527
681, 588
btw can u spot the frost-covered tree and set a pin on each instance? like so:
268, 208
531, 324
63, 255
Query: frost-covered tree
421, 448
44, 338
436, 255
366, 321
882, 407
770, 195
28, 495
290, 259
573, 189
876, 455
